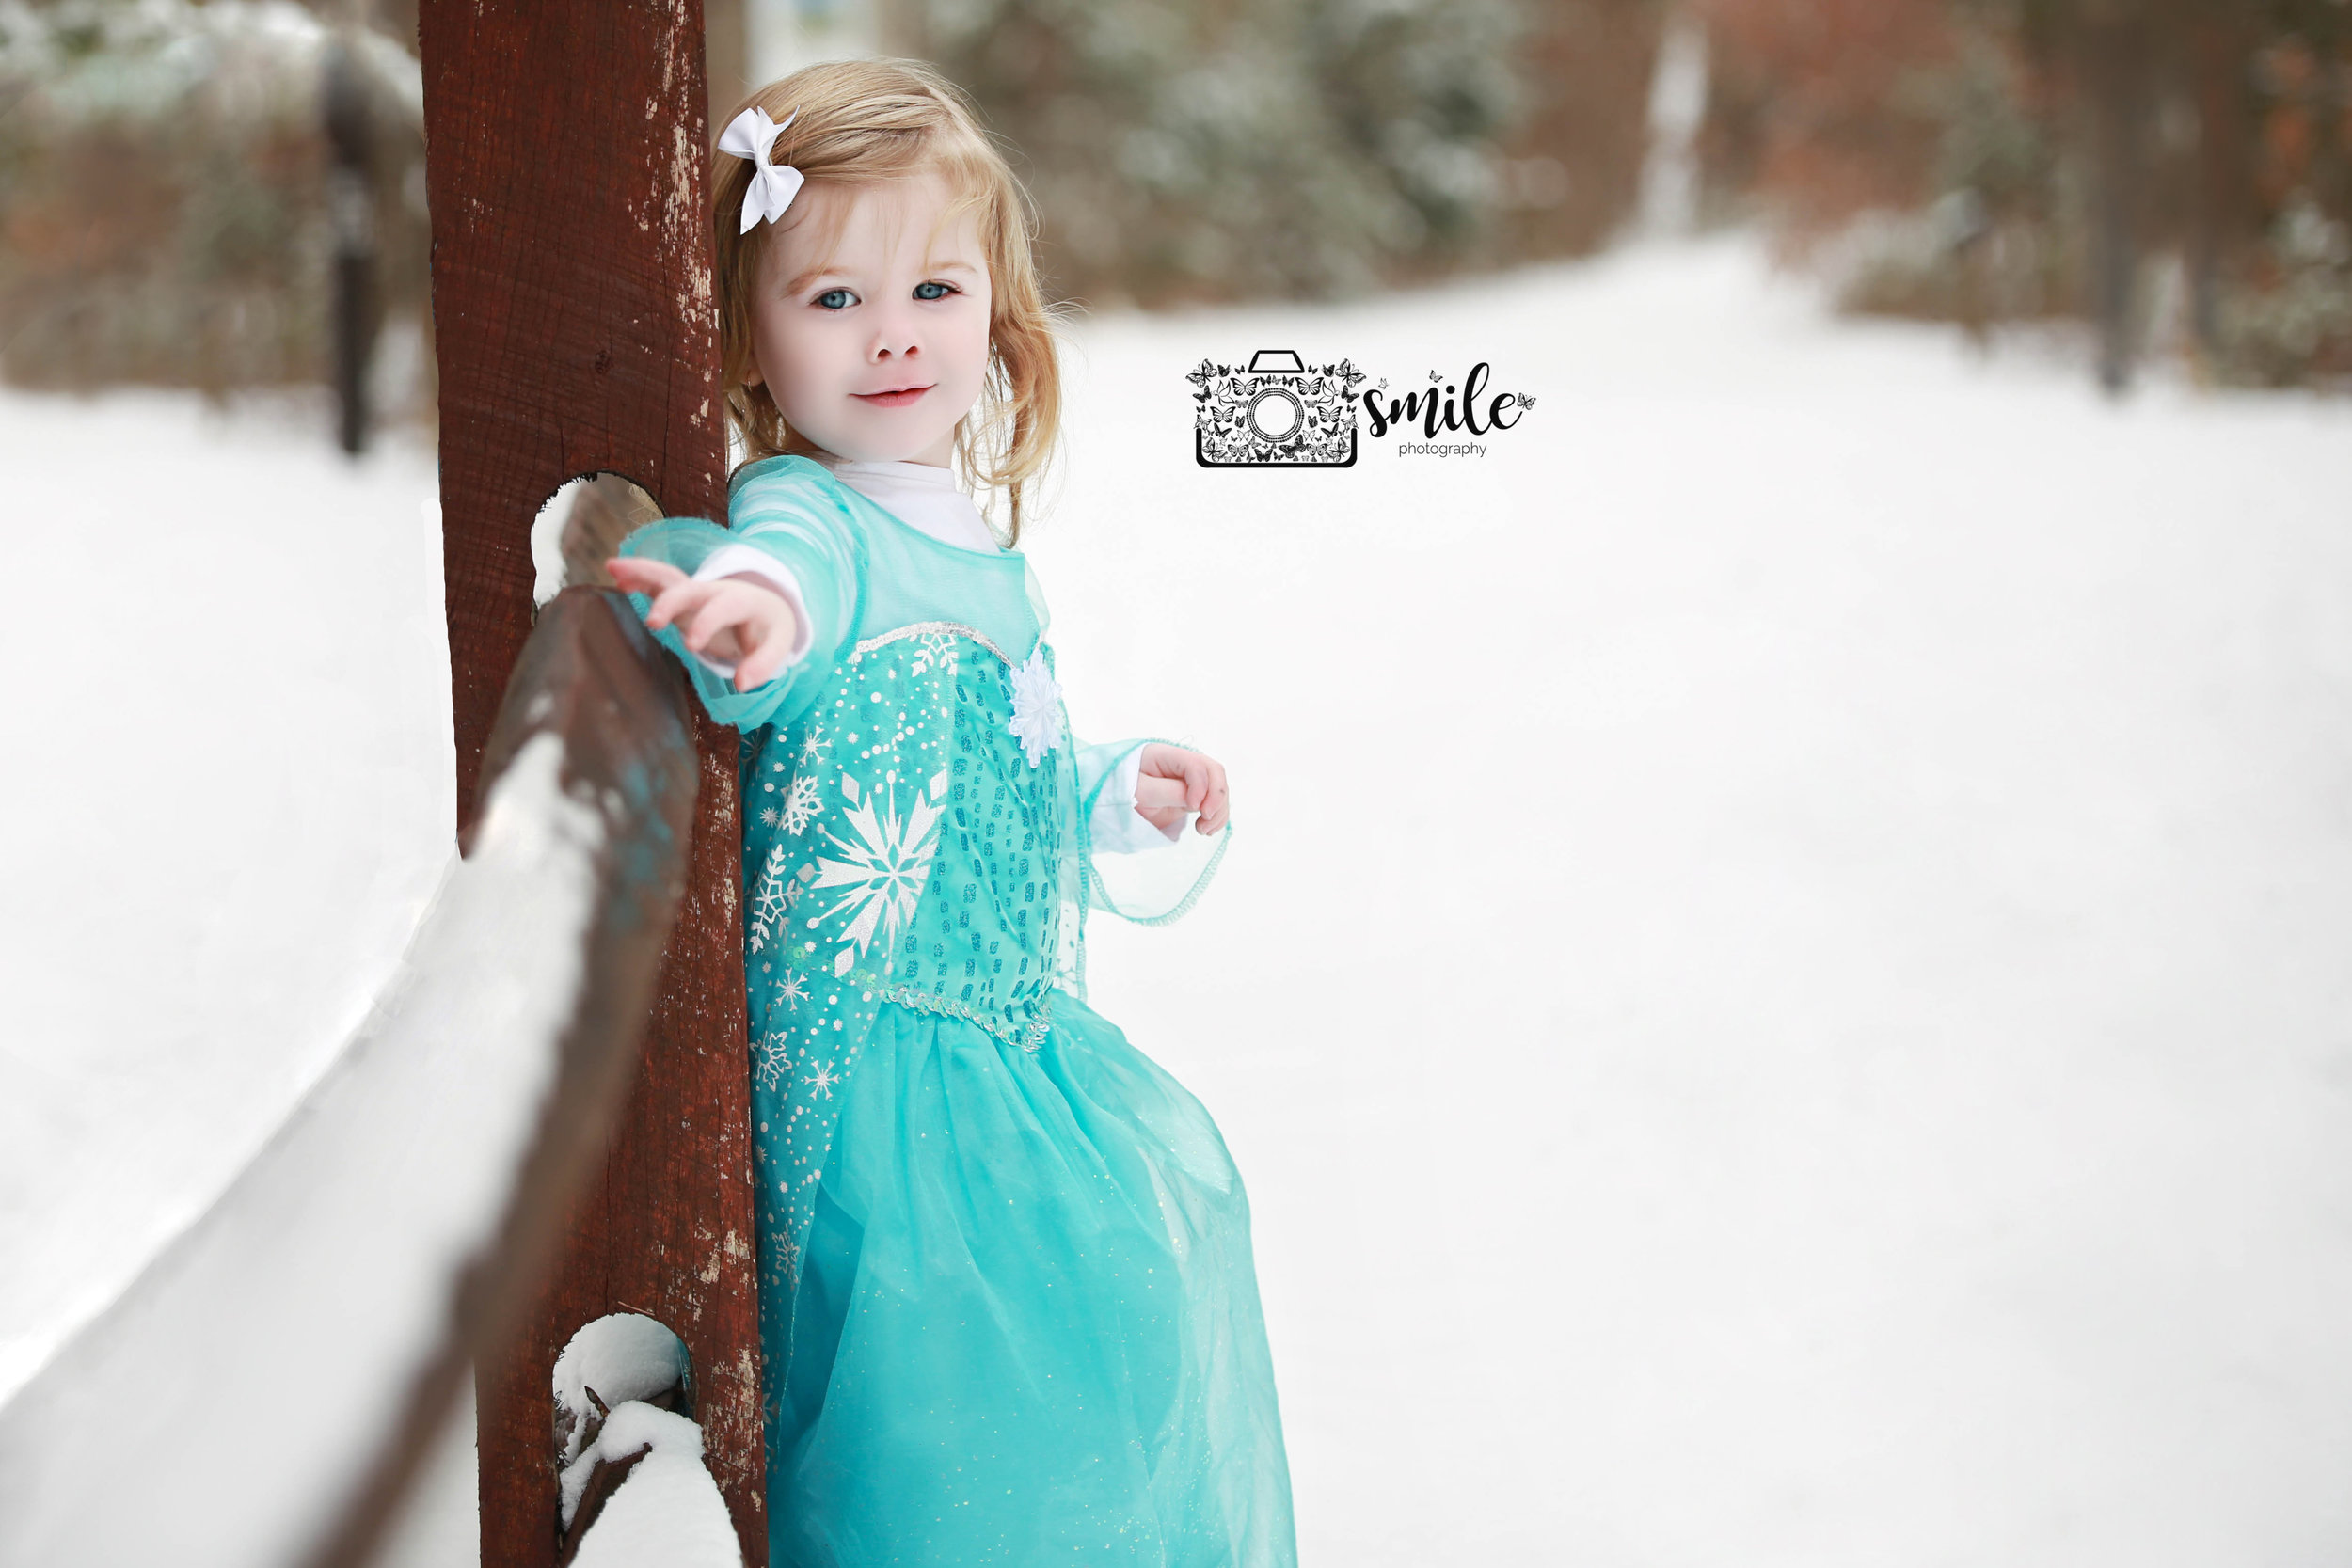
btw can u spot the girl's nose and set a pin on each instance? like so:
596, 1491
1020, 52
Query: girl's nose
894, 338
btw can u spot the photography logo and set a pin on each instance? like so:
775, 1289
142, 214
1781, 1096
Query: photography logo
1278, 413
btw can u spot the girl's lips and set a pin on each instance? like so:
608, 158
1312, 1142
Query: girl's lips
898, 399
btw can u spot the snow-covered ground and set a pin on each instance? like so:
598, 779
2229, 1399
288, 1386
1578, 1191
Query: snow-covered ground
1777, 985
227, 801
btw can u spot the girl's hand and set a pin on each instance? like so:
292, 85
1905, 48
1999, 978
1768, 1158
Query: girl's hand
1173, 781
735, 619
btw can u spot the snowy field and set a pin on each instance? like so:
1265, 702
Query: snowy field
1778, 987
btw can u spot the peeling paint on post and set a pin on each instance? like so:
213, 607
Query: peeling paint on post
576, 332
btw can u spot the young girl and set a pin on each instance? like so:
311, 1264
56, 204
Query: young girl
1009, 1310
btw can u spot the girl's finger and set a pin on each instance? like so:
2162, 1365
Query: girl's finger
719, 612
640, 576
678, 599
1154, 793
1220, 803
760, 664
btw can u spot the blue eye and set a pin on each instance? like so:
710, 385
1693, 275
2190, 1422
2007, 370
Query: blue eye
945, 290
834, 299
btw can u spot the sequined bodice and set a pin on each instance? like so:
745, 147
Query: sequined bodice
904, 848
984, 934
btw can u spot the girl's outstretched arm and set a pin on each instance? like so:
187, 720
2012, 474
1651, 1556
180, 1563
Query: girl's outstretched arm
738, 619
788, 534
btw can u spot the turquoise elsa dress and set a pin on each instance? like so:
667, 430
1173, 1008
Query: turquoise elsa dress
1008, 1306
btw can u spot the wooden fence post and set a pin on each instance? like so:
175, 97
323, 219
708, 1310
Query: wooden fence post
567, 159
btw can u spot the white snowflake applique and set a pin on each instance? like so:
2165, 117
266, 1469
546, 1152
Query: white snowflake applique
1036, 706
822, 1080
794, 989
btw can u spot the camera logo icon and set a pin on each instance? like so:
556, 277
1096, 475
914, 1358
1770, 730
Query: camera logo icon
1281, 412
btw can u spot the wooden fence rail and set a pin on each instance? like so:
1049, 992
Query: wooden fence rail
268, 1390
567, 149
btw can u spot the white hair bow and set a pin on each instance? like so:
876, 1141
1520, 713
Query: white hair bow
752, 135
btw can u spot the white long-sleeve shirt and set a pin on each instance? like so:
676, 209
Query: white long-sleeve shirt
926, 497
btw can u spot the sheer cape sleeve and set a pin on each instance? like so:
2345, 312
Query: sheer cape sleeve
1152, 888
1106, 776
805, 529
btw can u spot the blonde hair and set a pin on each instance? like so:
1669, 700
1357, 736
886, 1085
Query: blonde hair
857, 121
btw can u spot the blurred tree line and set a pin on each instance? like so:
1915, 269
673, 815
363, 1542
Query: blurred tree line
169, 210
178, 202
1211, 150
173, 208
2177, 172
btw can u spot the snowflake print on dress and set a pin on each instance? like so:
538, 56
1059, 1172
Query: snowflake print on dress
772, 1060
933, 650
822, 1080
800, 804
1036, 706
767, 903
885, 867
773, 893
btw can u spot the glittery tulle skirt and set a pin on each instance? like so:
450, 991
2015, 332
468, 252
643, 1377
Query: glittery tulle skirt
1027, 1323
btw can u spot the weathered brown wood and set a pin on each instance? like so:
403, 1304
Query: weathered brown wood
329, 1255
567, 151
591, 675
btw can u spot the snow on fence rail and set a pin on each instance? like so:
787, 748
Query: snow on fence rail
265, 1392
